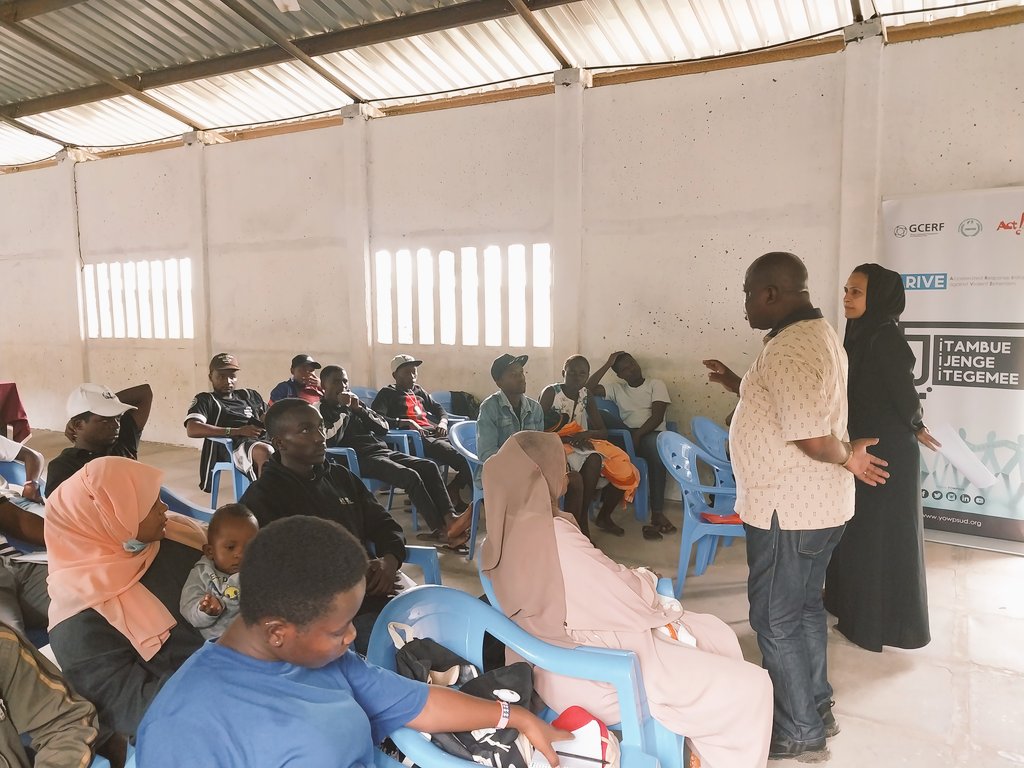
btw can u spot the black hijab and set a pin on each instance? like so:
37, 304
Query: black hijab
886, 300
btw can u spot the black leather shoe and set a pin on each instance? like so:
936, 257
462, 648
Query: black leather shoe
801, 751
831, 726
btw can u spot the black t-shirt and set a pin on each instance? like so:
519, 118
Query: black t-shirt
102, 664
238, 409
72, 459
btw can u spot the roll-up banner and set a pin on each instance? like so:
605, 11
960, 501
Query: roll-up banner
961, 255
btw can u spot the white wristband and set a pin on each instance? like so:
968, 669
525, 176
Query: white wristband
506, 712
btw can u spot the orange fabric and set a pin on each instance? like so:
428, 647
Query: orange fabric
733, 519
616, 467
88, 519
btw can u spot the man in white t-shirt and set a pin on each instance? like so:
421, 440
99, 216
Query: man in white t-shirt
642, 404
24, 601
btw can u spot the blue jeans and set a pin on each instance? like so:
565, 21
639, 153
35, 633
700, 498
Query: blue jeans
787, 573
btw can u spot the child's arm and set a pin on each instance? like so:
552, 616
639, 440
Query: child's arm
197, 586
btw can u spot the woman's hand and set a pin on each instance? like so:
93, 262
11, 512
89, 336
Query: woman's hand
578, 441
924, 437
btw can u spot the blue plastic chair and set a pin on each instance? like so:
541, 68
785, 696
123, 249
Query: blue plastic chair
239, 479
182, 506
444, 398
366, 394
463, 438
715, 440
397, 442
680, 458
711, 437
13, 472
624, 439
458, 621
425, 558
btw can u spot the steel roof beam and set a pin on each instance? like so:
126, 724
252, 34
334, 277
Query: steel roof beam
69, 56
288, 46
542, 34
19, 10
424, 22
33, 131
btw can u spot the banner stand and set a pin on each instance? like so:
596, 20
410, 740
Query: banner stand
961, 257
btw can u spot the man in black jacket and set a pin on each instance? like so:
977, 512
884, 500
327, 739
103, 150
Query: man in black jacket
350, 424
297, 481
406, 405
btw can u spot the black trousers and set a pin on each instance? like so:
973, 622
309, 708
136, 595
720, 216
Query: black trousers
443, 452
420, 478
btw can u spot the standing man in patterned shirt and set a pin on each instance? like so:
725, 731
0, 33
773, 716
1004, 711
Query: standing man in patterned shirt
795, 475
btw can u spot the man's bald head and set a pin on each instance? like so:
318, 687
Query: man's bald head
783, 270
775, 286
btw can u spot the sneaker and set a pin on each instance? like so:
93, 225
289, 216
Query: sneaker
801, 751
831, 726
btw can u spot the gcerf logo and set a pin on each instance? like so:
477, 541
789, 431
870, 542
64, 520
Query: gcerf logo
1012, 226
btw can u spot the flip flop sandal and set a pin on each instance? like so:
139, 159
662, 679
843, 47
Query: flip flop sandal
666, 528
610, 527
459, 549
651, 533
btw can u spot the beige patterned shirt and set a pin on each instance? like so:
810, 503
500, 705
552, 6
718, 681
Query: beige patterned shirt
796, 389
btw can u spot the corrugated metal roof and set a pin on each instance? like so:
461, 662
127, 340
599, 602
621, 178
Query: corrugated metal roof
27, 71
277, 92
109, 123
144, 36
602, 33
17, 147
454, 59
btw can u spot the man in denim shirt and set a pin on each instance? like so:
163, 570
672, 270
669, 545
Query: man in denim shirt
508, 411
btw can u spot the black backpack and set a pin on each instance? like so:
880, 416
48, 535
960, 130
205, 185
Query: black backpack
465, 404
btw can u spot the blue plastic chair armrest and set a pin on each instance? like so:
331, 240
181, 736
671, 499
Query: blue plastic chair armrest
665, 588
350, 457
627, 438
407, 436
426, 559
177, 504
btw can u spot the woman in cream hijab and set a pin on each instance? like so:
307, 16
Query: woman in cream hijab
118, 560
557, 586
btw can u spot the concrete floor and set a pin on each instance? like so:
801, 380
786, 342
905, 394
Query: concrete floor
957, 702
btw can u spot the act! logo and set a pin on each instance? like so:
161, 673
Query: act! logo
1017, 227
970, 227
919, 230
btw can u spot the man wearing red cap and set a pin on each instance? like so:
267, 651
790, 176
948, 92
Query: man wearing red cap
304, 382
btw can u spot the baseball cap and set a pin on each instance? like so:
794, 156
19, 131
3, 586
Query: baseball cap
224, 362
500, 364
399, 360
95, 398
304, 360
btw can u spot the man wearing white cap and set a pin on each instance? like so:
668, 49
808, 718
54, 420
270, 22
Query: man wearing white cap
100, 423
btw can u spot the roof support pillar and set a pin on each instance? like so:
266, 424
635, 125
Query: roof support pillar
569, 313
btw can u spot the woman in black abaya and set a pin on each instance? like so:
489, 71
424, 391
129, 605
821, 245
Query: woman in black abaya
875, 584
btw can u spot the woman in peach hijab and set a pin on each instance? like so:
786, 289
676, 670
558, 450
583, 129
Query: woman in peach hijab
557, 586
118, 560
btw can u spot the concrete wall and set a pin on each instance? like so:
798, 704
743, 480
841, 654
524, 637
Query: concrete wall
654, 195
